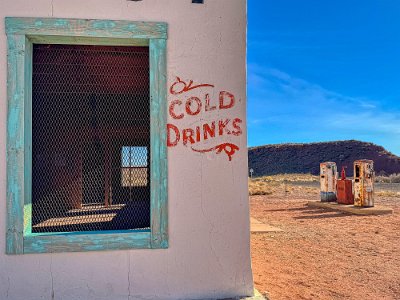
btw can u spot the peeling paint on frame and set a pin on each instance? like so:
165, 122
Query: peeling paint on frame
21, 33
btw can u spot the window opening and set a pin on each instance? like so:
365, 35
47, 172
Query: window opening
357, 171
88, 103
134, 164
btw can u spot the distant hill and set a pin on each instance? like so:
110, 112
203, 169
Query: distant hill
305, 158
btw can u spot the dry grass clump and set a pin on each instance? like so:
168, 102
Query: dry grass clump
278, 184
290, 178
392, 178
258, 187
387, 194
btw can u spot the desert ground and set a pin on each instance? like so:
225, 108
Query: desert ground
322, 254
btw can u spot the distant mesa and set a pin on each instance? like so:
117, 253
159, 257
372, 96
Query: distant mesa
305, 158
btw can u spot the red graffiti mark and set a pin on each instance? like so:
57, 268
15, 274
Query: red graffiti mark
179, 86
228, 148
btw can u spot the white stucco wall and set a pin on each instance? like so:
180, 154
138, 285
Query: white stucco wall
209, 255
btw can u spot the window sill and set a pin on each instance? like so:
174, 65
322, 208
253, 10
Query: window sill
87, 241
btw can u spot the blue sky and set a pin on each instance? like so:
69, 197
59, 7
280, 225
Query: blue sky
323, 71
133, 156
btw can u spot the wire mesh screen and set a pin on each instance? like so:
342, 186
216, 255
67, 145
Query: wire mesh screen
90, 138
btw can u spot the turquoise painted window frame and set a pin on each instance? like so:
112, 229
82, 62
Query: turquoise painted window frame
22, 33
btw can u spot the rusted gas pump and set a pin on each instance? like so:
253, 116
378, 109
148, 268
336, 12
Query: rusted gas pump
344, 189
364, 177
328, 180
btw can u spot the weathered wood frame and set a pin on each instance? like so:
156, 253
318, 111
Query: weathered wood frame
22, 33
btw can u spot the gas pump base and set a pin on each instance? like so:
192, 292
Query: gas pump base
328, 197
376, 210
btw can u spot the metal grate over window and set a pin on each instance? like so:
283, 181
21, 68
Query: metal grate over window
90, 138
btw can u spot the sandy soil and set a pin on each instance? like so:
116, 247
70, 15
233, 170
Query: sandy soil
324, 254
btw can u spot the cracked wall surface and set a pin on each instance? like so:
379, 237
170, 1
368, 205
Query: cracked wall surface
209, 254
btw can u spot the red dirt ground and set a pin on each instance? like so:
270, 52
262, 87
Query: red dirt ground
325, 254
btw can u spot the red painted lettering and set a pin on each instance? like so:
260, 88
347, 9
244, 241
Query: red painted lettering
235, 124
187, 135
208, 107
223, 95
172, 143
228, 148
189, 104
222, 126
179, 86
209, 131
172, 112
197, 133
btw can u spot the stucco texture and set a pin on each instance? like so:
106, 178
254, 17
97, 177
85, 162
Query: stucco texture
208, 255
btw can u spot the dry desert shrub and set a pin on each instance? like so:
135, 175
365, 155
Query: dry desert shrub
282, 183
387, 194
392, 178
259, 187
290, 178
